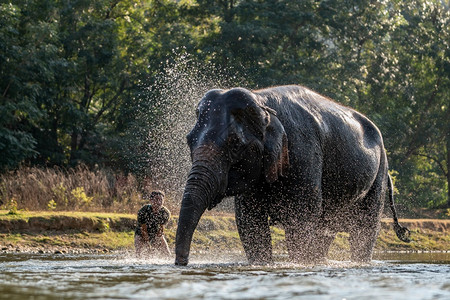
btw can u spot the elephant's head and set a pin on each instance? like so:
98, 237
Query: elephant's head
236, 143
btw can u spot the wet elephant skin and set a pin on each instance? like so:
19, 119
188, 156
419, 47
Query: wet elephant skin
289, 156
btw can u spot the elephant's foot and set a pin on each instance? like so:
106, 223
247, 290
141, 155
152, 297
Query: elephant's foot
361, 254
261, 261
306, 248
254, 231
181, 261
258, 253
306, 257
361, 244
321, 244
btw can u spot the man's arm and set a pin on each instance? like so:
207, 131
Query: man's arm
165, 216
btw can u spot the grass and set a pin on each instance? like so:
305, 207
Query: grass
110, 241
214, 233
76, 189
422, 240
44, 196
26, 215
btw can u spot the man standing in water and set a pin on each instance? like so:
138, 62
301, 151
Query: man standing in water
149, 233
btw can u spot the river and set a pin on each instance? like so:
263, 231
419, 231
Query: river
122, 276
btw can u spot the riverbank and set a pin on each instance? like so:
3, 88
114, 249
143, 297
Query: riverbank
82, 232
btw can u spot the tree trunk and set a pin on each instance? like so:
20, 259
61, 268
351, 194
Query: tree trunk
73, 146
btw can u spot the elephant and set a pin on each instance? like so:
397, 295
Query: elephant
291, 156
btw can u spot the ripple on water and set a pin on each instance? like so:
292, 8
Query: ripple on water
125, 277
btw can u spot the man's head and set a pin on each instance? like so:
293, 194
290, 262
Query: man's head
157, 199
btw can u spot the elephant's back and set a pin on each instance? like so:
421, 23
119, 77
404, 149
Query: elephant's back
350, 145
299, 107
295, 103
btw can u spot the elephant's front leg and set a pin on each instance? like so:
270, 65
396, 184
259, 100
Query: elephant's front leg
299, 241
302, 229
253, 228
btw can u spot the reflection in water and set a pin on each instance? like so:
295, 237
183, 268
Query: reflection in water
391, 276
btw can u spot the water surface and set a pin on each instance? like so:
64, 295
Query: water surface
390, 276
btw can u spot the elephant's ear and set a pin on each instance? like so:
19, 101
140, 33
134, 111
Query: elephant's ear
276, 156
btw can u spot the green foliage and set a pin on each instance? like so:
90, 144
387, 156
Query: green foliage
17, 98
103, 225
74, 75
59, 191
80, 198
11, 206
51, 205
409, 85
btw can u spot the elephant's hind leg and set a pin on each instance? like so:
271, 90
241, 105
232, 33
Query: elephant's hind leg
322, 244
366, 224
254, 231
362, 241
306, 247
305, 244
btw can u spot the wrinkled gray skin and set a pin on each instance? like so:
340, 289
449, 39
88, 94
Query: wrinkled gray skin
290, 156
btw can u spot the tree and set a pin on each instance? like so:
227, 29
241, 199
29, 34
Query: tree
22, 66
411, 78
270, 42
390, 61
80, 80
386, 59
70, 66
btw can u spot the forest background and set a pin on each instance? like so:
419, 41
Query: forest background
96, 97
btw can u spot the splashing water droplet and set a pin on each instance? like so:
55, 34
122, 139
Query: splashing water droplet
172, 100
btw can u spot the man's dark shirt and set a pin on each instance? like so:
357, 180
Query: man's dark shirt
153, 220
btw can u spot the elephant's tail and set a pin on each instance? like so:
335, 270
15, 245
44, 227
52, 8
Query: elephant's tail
403, 233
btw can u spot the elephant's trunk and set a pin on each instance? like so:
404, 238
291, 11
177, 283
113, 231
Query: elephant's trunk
190, 214
203, 186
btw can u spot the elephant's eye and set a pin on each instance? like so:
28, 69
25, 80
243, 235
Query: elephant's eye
234, 140
235, 145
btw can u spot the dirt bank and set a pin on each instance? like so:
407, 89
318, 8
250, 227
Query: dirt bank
66, 232
417, 224
100, 222
64, 222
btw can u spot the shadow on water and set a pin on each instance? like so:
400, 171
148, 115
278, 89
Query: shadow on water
122, 276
